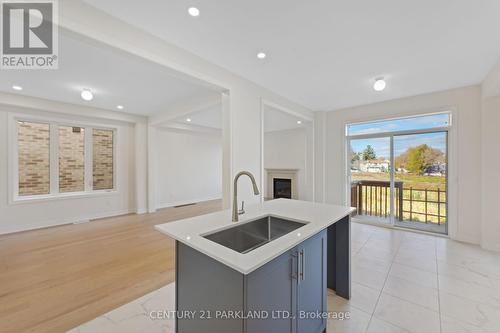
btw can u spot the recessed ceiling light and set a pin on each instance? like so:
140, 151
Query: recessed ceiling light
188, 120
193, 11
261, 55
299, 122
120, 107
379, 84
87, 95
18, 88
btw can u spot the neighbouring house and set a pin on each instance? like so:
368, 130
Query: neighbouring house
437, 170
374, 166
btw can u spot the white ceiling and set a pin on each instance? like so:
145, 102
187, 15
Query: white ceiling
276, 120
211, 118
115, 77
325, 54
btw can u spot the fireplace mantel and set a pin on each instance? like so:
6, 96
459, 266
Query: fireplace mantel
284, 174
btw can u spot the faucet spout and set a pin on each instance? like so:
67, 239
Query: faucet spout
235, 191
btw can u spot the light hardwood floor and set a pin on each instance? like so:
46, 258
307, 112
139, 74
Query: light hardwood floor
54, 279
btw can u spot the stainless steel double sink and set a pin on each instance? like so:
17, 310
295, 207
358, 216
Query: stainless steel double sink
251, 235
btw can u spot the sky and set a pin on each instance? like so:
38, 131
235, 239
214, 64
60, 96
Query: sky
403, 124
401, 143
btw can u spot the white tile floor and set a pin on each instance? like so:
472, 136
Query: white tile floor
402, 282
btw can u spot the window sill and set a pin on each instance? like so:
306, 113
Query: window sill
60, 196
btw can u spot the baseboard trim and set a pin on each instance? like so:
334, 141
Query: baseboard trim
69, 221
494, 247
186, 202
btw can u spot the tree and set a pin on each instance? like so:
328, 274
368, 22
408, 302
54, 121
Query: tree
354, 157
418, 159
368, 153
401, 161
415, 163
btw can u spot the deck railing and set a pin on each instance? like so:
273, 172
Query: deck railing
372, 197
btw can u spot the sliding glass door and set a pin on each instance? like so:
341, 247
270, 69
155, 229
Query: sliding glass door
397, 171
370, 178
421, 164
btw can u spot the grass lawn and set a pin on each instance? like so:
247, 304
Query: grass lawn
409, 180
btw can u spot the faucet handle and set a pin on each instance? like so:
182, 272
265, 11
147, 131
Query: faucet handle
242, 210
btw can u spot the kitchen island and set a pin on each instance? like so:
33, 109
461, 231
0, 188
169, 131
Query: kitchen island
266, 273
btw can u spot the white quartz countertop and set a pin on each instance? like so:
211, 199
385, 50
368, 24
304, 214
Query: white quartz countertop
317, 216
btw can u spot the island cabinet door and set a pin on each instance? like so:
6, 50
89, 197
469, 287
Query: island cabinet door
311, 291
272, 291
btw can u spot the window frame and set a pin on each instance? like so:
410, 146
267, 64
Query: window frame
448, 112
54, 123
453, 129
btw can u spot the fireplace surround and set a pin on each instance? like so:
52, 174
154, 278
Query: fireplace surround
281, 183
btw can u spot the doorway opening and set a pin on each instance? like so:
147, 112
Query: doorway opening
287, 154
398, 171
189, 158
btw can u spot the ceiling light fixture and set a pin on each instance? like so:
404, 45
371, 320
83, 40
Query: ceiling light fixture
261, 55
18, 88
299, 122
379, 84
193, 11
87, 95
188, 120
120, 107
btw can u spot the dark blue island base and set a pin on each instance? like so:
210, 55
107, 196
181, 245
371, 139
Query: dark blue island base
339, 257
281, 296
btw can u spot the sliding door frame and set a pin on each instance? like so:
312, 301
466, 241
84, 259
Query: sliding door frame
391, 136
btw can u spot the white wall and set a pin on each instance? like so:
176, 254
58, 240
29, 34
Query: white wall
491, 84
287, 150
189, 167
465, 151
244, 96
141, 167
320, 156
242, 126
38, 214
490, 158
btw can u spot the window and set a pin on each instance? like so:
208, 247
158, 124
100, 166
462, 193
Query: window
398, 171
54, 158
71, 159
33, 158
102, 173
425, 122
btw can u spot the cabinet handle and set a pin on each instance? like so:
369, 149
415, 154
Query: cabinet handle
294, 273
302, 265
298, 267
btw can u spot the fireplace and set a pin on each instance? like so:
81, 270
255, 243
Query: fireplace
282, 188
281, 183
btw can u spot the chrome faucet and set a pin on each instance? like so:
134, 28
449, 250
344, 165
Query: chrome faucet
235, 192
